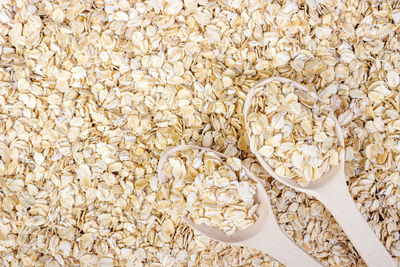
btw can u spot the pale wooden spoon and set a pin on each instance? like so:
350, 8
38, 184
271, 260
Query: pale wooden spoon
264, 234
331, 190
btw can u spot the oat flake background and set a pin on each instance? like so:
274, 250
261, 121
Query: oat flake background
92, 92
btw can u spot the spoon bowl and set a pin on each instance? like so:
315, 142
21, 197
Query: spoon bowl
334, 170
263, 212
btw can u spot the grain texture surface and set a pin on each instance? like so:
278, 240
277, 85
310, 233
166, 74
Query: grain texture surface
92, 92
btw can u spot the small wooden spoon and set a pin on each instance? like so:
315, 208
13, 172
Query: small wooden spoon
332, 191
264, 234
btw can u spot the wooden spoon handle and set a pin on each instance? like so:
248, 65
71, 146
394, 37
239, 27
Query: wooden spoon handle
273, 241
339, 202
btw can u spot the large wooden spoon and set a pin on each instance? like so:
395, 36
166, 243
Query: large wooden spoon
264, 234
332, 191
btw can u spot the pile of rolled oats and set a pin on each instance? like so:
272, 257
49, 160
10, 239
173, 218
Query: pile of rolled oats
210, 189
292, 131
93, 92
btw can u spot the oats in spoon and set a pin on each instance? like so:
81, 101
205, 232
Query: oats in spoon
292, 132
211, 189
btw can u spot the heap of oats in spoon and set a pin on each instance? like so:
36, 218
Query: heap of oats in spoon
292, 132
211, 189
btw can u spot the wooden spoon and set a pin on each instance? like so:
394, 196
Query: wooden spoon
332, 191
264, 234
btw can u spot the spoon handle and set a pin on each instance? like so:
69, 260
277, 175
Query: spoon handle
274, 242
339, 202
